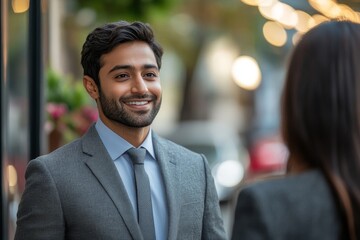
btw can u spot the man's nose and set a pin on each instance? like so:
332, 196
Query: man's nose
139, 85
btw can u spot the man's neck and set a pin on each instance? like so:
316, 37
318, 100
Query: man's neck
135, 136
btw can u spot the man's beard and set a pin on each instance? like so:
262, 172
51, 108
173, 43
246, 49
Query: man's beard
115, 111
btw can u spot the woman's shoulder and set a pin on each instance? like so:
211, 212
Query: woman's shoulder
300, 205
282, 182
310, 187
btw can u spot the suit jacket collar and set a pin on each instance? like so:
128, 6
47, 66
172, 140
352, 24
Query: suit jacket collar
102, 166
168, 161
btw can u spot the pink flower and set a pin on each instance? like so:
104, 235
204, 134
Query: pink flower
90, 113
56, 110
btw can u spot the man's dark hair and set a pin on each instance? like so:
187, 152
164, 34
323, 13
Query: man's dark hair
103, 39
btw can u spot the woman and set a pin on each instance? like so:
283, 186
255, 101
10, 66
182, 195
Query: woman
320, 196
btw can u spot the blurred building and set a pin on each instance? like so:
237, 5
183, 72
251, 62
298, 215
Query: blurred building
22, 49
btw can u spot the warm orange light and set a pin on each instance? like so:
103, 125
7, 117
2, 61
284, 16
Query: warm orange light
304, 21
12, 176
251, 2
316, 20
20, 6
275, 33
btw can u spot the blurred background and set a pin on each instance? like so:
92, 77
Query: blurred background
222, 75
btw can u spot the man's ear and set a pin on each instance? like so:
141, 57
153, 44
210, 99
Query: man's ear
91, 87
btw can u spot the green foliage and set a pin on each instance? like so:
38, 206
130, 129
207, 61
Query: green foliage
65, 90
125, 9
69, 110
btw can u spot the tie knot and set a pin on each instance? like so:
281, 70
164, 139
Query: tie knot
137, 155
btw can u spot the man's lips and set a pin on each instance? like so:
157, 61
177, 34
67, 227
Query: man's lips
140, 104
137, 103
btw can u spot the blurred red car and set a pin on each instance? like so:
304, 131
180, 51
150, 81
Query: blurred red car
268, 156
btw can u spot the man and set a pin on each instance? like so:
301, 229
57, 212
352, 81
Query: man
88, 189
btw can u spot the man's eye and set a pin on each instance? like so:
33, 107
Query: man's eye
150, 75
123, 75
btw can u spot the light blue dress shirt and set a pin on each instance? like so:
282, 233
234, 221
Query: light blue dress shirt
116, 147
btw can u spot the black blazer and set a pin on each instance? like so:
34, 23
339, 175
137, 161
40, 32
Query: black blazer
298, 207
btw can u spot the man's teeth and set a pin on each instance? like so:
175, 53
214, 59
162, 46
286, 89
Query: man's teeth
138, 103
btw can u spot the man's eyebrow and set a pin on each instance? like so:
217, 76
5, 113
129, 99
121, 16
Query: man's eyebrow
147, 66
119, 67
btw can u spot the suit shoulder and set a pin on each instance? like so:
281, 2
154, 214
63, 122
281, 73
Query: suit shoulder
295, 203
301, 181
308, 189
174, 147
64, 152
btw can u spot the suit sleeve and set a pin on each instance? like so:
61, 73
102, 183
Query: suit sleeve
249, 219
39, 215
213, 226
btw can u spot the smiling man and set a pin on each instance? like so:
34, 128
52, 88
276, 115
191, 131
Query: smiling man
120, 180
131, 80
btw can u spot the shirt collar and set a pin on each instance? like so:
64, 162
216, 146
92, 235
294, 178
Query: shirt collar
116, 145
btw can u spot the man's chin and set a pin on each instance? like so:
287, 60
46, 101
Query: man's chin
136, 123
139, 125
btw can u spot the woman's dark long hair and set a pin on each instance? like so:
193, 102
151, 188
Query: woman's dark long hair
321, 111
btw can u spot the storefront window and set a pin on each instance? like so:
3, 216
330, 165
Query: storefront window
15, 106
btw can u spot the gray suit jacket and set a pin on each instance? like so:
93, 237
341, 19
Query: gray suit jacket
76, 192
299, 207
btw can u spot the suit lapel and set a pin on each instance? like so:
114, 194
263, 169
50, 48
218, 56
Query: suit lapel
102, 166
168, 165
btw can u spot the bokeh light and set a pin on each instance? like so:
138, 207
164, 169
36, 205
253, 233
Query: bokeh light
246, 72
12, 176
274, 33
20, 6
